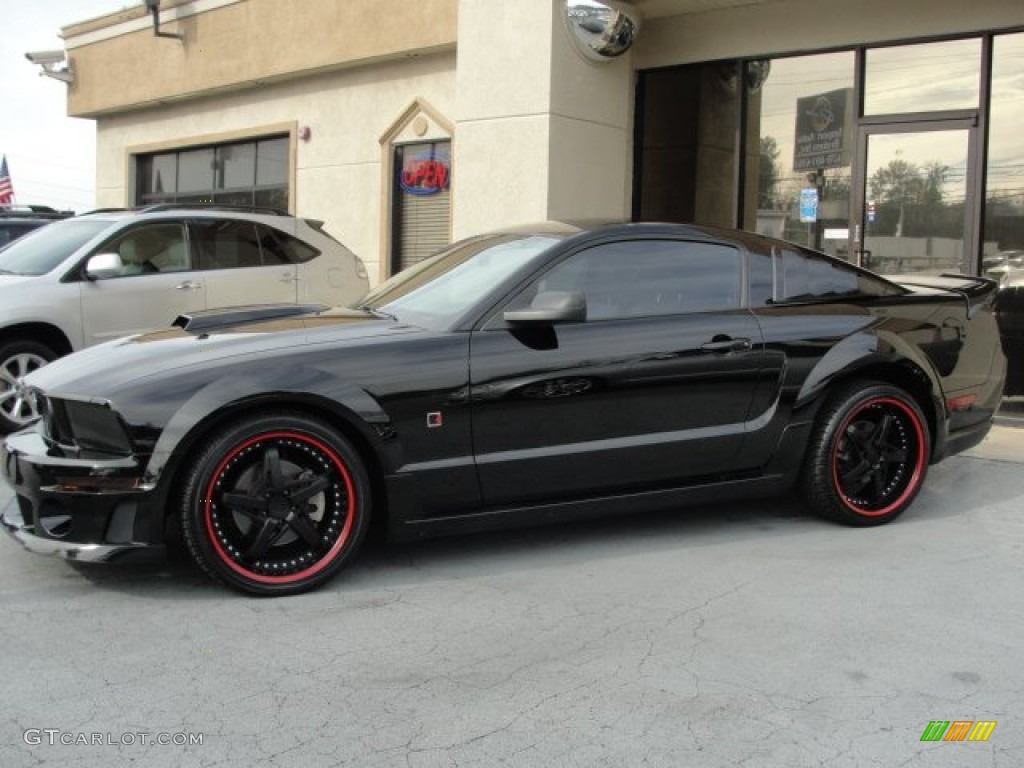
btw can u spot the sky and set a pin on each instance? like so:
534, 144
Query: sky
51, 157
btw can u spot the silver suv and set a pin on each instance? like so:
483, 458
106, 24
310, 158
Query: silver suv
106, 274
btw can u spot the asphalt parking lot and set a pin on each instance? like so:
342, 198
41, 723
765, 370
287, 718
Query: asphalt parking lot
742, 635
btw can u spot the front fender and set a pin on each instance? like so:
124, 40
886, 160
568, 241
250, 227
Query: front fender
301, 384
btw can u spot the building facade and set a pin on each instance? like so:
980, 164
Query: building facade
884, 132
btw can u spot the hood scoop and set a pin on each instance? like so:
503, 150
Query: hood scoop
213, 319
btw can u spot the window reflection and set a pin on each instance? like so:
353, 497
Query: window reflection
805, 114
927, 77
1004, 193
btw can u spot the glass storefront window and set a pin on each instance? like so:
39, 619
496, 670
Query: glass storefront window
915, 201
236, 166
1004, 192
927, 77
271, 162
803, 121
241, 173
195, 170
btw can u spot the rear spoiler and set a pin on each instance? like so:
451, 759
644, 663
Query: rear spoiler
975, 290
211, 319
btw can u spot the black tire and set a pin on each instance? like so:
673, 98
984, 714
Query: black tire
19, 357
275, 504
868, 455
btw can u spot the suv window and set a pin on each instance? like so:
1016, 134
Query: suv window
281, 248
649, 277
238, 244
226, 244
150, 248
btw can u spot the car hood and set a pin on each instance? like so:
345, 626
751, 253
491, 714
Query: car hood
99, 370
9, 280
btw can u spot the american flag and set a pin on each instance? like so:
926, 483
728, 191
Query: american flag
6, 187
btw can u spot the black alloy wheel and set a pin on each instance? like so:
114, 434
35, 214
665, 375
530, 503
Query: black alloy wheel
868, 455
276, 505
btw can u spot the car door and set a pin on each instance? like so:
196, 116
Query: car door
236, 268
156, 283
651, 391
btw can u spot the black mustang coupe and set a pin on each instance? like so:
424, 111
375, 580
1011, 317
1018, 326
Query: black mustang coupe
514, 378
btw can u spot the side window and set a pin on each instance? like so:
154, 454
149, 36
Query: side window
226, 244
281, 248
806, 275
649, 277
150, 249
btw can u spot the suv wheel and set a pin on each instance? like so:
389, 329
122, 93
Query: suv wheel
18, 358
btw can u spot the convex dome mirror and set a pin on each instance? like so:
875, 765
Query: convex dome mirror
601, 29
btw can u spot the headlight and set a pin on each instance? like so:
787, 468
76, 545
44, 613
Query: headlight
92, 426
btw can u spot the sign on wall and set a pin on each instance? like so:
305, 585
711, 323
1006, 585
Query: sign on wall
824, 130
424, 174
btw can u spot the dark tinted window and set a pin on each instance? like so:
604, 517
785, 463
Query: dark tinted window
762, 279
806, 275
650, 277
240, 173
226, 244
281, 248
9, 232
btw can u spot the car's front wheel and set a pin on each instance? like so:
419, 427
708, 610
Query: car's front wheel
276, 504
868, 455
18, 358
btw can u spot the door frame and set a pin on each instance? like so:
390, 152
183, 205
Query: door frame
953, 120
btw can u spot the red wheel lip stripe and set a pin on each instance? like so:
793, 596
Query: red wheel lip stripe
320, 564
918, 465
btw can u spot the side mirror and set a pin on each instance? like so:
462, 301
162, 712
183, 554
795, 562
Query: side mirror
104, 265
550, 308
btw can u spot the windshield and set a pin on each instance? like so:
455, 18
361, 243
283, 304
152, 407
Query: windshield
438, 290
42, 250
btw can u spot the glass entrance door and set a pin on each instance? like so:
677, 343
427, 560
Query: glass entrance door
914, 210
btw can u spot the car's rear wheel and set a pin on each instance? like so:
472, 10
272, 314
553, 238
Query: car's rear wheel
18, 358
276, 504
868, 455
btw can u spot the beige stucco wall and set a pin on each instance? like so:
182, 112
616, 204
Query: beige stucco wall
234, 44
542, 134
337, 172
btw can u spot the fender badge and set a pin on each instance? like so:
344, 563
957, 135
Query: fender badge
434, 419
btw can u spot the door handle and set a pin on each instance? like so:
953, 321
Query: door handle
719, 344
188, 285
289, 278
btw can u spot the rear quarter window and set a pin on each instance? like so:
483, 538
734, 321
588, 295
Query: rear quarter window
805, 275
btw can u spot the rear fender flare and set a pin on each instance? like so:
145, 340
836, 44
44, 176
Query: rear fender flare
861, 351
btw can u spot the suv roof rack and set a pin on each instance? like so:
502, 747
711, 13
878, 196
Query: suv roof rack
211, 207
35, 211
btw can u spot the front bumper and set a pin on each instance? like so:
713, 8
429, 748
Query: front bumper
90, 509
